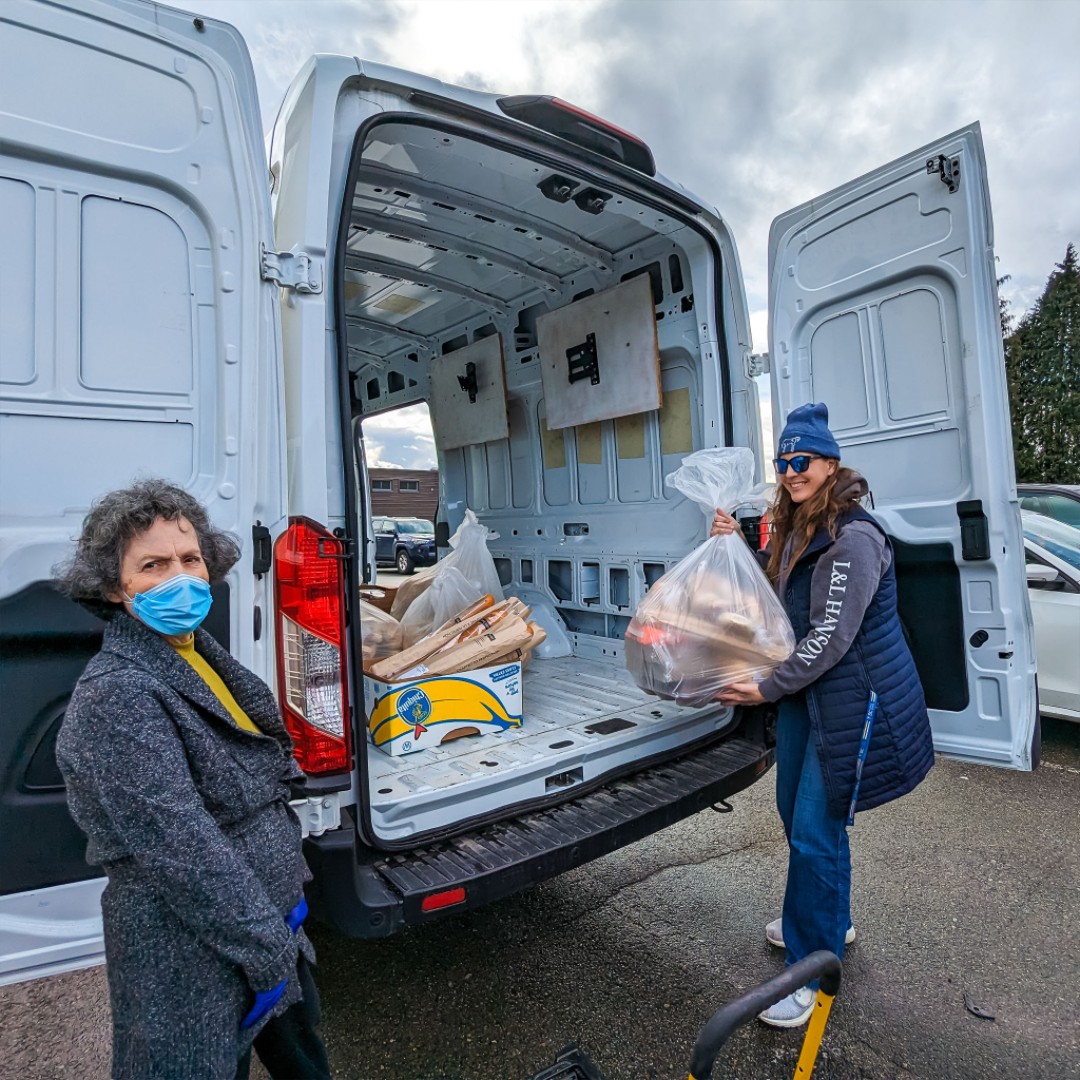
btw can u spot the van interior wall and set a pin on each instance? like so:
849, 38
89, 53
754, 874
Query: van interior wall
453, 242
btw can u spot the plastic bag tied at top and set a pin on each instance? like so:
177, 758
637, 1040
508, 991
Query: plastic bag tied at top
713, 619
470, 557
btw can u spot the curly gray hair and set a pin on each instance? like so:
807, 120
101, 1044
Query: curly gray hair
116, 518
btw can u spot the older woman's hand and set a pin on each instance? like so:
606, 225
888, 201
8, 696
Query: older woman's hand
746, 693
723, 524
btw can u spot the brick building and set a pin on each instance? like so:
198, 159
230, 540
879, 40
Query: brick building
404, 492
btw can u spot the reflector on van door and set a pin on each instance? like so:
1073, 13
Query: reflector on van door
312, 685
558, 117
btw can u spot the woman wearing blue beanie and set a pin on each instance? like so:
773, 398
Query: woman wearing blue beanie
832, 566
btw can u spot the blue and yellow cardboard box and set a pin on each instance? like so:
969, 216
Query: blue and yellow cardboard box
404, 717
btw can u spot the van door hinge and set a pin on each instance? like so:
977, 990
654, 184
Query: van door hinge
757, 364
291, 270
948, 170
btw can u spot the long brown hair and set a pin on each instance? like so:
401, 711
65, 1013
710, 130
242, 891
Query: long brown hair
802, 520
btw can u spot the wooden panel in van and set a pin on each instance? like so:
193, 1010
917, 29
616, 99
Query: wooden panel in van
457, 419
621, 323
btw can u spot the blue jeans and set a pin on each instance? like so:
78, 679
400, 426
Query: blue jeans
817, 900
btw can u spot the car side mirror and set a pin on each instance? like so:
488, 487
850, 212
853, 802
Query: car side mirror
1042, 577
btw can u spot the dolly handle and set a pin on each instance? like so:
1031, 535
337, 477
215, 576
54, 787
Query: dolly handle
821, 965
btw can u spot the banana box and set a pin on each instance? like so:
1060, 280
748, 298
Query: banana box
404, 717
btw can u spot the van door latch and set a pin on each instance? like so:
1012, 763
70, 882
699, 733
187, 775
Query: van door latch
948, 170
581, 361
295, 270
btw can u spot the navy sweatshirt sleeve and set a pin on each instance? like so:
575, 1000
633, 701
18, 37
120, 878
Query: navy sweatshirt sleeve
845, 579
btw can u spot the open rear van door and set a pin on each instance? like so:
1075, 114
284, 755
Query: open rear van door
139, 338
883, 304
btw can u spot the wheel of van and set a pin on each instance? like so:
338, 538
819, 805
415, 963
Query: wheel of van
404, 562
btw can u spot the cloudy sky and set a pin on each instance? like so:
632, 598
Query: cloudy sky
756, 105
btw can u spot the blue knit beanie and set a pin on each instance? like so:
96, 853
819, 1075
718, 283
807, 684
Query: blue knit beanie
807, 431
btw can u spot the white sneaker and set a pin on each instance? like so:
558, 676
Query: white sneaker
792, 1011
774, 933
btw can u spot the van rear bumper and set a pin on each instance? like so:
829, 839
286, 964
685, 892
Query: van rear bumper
365, 893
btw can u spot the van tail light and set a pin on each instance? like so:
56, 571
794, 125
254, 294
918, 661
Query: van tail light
763, 532
313, 685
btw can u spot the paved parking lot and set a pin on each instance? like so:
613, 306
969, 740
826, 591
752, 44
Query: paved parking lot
967, 886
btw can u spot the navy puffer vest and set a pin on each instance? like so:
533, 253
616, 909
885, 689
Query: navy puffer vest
901, 749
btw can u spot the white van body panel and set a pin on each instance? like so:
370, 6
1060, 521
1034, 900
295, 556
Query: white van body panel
139, 338
310, 160
883, 304
51, 931
310, 150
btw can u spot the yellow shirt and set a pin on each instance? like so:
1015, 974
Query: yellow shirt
213, 680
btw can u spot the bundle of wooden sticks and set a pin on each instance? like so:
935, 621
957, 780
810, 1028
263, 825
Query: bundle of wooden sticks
483, 635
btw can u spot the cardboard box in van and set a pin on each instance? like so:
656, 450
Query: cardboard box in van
405, 717
576, 323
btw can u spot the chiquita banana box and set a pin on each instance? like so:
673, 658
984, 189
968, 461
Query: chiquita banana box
404, 717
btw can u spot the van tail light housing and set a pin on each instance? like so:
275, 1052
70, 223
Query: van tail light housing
763, 532
313, 685
558, 117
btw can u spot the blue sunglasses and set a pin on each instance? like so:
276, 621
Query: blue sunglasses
799, 463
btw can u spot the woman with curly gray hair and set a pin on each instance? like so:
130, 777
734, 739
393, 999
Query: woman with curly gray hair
178, 768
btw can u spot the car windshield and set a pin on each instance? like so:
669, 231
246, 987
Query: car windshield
418, 527
1056, 537
1061, 504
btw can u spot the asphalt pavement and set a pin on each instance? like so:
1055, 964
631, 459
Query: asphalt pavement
969, 886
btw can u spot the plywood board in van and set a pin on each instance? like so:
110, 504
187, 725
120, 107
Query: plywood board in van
457, 420
599, 357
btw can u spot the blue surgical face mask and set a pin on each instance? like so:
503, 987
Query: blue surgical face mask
174, 607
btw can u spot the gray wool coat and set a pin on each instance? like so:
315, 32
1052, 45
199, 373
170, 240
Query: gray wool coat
189, 816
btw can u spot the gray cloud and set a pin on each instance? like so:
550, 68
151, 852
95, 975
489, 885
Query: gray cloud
282, 34
760, 106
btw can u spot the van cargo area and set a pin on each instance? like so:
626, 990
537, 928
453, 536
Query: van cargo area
583, 720
550, 322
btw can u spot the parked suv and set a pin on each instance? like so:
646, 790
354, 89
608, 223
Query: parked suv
404, 543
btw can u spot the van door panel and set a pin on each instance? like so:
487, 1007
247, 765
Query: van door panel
137, 336
883, 304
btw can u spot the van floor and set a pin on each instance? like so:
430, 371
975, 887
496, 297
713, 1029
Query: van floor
582, 718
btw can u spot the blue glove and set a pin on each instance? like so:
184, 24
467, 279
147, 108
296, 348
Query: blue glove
265, 1000
297, 915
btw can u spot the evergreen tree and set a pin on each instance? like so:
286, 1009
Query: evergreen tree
1042, 362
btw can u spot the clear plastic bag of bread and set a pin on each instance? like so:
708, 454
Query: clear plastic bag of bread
469, 555
380, 634
448, 593
713, 619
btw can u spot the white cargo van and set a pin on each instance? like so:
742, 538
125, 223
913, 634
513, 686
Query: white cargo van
577, 322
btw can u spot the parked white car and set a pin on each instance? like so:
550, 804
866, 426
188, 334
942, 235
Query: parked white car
1053, 575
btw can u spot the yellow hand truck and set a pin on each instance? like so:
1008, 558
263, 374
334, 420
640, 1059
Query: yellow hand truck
574, 1064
